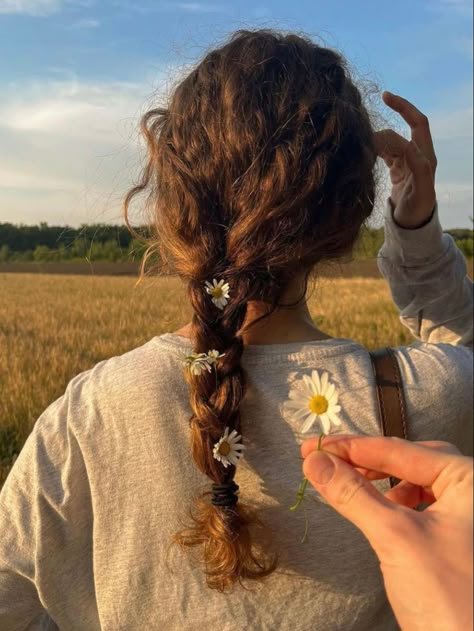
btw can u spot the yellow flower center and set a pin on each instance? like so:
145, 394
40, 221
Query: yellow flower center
318, 404
217, 292
224, 448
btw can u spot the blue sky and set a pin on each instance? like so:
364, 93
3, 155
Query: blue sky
75, 76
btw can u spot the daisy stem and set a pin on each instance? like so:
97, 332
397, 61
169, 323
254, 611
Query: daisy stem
320, 439
300, 494
305, 525
304, 483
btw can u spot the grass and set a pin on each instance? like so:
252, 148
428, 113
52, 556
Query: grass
53, 327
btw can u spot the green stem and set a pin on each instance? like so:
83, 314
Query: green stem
300, 494
304, 483
305, 525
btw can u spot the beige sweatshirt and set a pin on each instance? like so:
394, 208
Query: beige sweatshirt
88, 509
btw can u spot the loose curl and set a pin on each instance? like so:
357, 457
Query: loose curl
260, 167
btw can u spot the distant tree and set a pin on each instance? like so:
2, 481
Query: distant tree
42, 253
4, 253
466, 246
78, 248
111, 251
136, 250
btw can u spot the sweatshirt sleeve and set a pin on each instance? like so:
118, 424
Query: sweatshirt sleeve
427, 276
46, 523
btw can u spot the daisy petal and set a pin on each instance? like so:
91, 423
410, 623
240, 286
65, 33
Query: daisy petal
326, 423
308, 424
309, 384
330, 391
335, 420
301, 414
315, 378
297, 395
324, 383
290, 405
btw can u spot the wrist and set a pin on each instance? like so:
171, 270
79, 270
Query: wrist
414, 227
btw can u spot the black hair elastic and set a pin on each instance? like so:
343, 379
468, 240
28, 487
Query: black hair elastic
225, 494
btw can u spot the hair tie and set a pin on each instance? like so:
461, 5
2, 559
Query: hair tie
225, 494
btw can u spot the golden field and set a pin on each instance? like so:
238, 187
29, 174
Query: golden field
53, 327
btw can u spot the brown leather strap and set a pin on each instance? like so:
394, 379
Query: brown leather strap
391, 401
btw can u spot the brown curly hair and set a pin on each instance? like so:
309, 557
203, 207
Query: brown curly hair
260, 167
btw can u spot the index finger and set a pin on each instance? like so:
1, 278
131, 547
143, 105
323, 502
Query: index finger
402, 459
419, 123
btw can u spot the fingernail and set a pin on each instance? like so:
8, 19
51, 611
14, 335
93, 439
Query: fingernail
321, 466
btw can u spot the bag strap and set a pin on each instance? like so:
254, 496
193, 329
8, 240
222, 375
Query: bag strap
390, 397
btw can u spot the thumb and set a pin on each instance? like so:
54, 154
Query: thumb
354, 497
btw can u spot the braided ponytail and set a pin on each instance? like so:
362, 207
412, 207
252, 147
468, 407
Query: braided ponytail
260, 167
222, 527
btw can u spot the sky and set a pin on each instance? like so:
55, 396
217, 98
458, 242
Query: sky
76, 75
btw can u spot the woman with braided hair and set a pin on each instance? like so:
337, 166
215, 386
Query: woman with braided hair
156, 492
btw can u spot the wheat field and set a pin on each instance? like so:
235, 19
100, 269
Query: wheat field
53, 327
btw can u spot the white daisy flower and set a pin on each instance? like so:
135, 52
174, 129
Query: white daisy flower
214, 355
228, 449
197, 362
219, 292
314, 398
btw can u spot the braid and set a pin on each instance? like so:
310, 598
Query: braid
223, 530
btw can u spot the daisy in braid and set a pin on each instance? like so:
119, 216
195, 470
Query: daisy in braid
228, 449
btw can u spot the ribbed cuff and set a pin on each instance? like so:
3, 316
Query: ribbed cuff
413, 244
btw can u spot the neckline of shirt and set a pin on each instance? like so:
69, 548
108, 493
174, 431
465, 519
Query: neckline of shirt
297, 350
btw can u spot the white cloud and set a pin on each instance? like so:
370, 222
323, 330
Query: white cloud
154, 7
41, 8
71, 108
71, 149
450, 7
30, 7
27, 180
198, 7
87, 23
449, 124
455, 201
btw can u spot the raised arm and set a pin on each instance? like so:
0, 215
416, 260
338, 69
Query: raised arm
428, 280
424, 268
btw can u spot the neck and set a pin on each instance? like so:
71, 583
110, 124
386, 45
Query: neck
284, 325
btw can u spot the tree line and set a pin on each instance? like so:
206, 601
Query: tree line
104, 242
